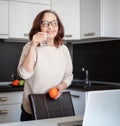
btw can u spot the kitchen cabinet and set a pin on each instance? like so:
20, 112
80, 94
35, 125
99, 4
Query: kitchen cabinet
99, 18
34, 1
10, 106
21, 16
78, 99
110, 18
3, 19
81, 18
69, 13
90, 18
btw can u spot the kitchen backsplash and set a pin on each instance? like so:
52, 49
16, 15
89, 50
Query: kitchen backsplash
100, 56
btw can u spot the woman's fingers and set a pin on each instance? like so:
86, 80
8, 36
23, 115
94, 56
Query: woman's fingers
39, 38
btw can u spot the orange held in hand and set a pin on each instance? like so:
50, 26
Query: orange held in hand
53, 93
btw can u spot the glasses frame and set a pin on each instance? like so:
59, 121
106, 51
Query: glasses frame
54, 23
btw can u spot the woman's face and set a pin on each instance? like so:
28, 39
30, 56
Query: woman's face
50, 25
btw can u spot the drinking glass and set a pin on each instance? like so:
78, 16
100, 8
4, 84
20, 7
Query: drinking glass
45, 43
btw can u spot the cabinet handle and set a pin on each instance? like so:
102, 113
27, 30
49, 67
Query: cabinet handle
26, 34
3, 99
3, 111
76, 96
68, 36
89, 34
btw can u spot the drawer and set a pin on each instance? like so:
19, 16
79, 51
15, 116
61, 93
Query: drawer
10, 97
10, 113
78, 99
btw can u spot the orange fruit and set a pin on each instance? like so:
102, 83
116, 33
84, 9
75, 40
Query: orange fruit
53, 93
15, 82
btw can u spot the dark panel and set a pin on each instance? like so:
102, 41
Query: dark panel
9, 57
102, 60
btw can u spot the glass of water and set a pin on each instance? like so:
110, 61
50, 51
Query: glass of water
45, 43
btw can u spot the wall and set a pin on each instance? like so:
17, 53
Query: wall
100, 58
9, 57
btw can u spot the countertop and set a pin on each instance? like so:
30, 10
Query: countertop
10, 88
44, 122
93, 85
74, 86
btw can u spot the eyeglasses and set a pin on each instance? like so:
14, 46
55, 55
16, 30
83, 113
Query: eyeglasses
54, 23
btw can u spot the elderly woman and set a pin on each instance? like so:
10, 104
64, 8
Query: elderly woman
45, 61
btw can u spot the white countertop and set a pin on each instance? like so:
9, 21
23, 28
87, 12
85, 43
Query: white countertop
44, 122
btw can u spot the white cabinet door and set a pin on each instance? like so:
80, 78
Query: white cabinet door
34, 1
78, 99
90, 18
10, 106
69, 13
21, 16
110, 18
10, 98
3, 19
10, 113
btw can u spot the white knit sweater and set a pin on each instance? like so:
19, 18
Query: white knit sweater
52, 66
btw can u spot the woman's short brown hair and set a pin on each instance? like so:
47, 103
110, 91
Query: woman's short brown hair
36, 27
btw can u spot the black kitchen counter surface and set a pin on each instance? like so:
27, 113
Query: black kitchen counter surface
93, 87
74, 86
10, 88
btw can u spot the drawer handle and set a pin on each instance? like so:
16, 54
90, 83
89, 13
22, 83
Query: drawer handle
68, 36
3, 99
89, 34
26, 34
76, 96
3, 111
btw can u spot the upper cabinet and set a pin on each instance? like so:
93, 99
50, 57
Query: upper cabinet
21, 16
110, 18
69, 13
3, 19
99, 18
34, 1
81, 18
90, 18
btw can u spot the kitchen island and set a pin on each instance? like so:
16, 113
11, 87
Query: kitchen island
44, 122
11, 99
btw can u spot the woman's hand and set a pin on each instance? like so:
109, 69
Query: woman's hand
39, 38
61, 87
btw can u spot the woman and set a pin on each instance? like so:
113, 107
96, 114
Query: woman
44, 67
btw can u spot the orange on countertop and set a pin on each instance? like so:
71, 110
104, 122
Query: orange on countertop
53, 93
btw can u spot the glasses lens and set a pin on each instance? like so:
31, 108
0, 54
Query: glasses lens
54, 23
45, 24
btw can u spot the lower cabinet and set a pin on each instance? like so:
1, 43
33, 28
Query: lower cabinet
78, 99
10, 106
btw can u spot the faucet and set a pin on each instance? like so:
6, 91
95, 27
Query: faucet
87, 82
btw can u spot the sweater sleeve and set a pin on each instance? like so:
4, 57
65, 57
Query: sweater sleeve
21, 71
68, 76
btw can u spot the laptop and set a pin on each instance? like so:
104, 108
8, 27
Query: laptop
102, 109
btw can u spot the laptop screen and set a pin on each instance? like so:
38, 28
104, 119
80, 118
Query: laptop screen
102, 109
